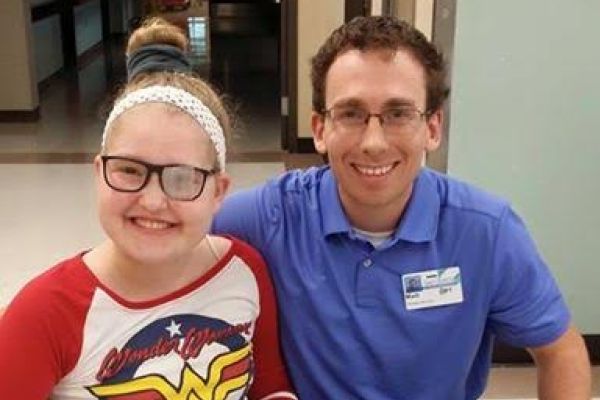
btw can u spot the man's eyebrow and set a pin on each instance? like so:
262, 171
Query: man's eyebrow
350, 102
391, 103
399, 103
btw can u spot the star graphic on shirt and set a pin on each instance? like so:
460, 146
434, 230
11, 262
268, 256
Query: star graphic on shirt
174, 328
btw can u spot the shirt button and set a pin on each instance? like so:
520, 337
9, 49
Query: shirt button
367, 263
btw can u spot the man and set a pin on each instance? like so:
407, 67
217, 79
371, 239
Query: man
394, 280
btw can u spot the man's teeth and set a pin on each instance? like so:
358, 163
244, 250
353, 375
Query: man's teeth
151, 224
375, 171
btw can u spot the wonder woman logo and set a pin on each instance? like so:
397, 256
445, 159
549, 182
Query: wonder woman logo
226, 373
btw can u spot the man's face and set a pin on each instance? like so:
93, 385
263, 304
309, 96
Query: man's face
375, 166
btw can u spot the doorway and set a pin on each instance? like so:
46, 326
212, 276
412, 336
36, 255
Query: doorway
245, 42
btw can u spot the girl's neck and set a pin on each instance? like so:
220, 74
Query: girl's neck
141, 282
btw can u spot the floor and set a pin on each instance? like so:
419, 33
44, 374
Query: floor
518, 382
47, 202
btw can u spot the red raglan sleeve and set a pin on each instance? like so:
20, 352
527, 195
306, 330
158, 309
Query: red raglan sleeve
29, 363
271, 380
37, 347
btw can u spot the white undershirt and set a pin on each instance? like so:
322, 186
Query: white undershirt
375, 238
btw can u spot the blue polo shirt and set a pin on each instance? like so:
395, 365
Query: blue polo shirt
347, 331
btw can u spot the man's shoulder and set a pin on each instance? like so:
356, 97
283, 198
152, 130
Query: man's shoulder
460, 196
251, 213
300, 180
291, 185
296, 180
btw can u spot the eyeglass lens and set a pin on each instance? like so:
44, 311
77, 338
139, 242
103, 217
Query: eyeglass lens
180, 182
392, 119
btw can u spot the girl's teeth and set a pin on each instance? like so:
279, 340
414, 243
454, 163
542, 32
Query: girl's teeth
149, 224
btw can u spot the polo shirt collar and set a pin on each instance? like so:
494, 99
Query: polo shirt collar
332, 214
418, 223
420, 218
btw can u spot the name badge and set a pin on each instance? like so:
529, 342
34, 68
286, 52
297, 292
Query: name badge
433, 288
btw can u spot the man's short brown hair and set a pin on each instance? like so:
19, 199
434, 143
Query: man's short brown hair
380, 33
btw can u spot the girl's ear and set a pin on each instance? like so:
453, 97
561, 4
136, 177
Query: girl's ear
222, 183
98, 166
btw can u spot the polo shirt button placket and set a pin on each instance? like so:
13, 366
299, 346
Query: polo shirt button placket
367, 283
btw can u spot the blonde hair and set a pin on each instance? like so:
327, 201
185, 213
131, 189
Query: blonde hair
154, 31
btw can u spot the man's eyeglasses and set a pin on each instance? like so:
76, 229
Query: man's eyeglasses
178, 181
394, 120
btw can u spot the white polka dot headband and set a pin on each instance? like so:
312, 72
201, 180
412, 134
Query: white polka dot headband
180, 99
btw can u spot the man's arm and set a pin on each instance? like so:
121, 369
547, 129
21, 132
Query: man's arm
563, 368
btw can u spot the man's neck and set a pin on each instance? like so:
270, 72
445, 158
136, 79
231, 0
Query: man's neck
375, 218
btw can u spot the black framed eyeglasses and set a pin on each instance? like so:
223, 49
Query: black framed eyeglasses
178, 181
393, 120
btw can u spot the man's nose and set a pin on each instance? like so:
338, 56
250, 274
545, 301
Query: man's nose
374, 139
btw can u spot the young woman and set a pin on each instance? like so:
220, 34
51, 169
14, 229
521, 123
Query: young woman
161, 309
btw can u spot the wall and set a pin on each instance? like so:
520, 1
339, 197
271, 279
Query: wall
416, 12
404, 10
316, 20
424, 16
377, 7
525, 125
17, 77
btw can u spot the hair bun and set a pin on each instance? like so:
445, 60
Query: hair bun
156, 30
157, 46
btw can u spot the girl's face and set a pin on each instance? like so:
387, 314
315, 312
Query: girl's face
147, 227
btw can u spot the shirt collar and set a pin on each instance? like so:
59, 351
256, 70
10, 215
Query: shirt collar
332, 214
419, 220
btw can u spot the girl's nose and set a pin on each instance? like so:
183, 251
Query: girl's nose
152, 196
